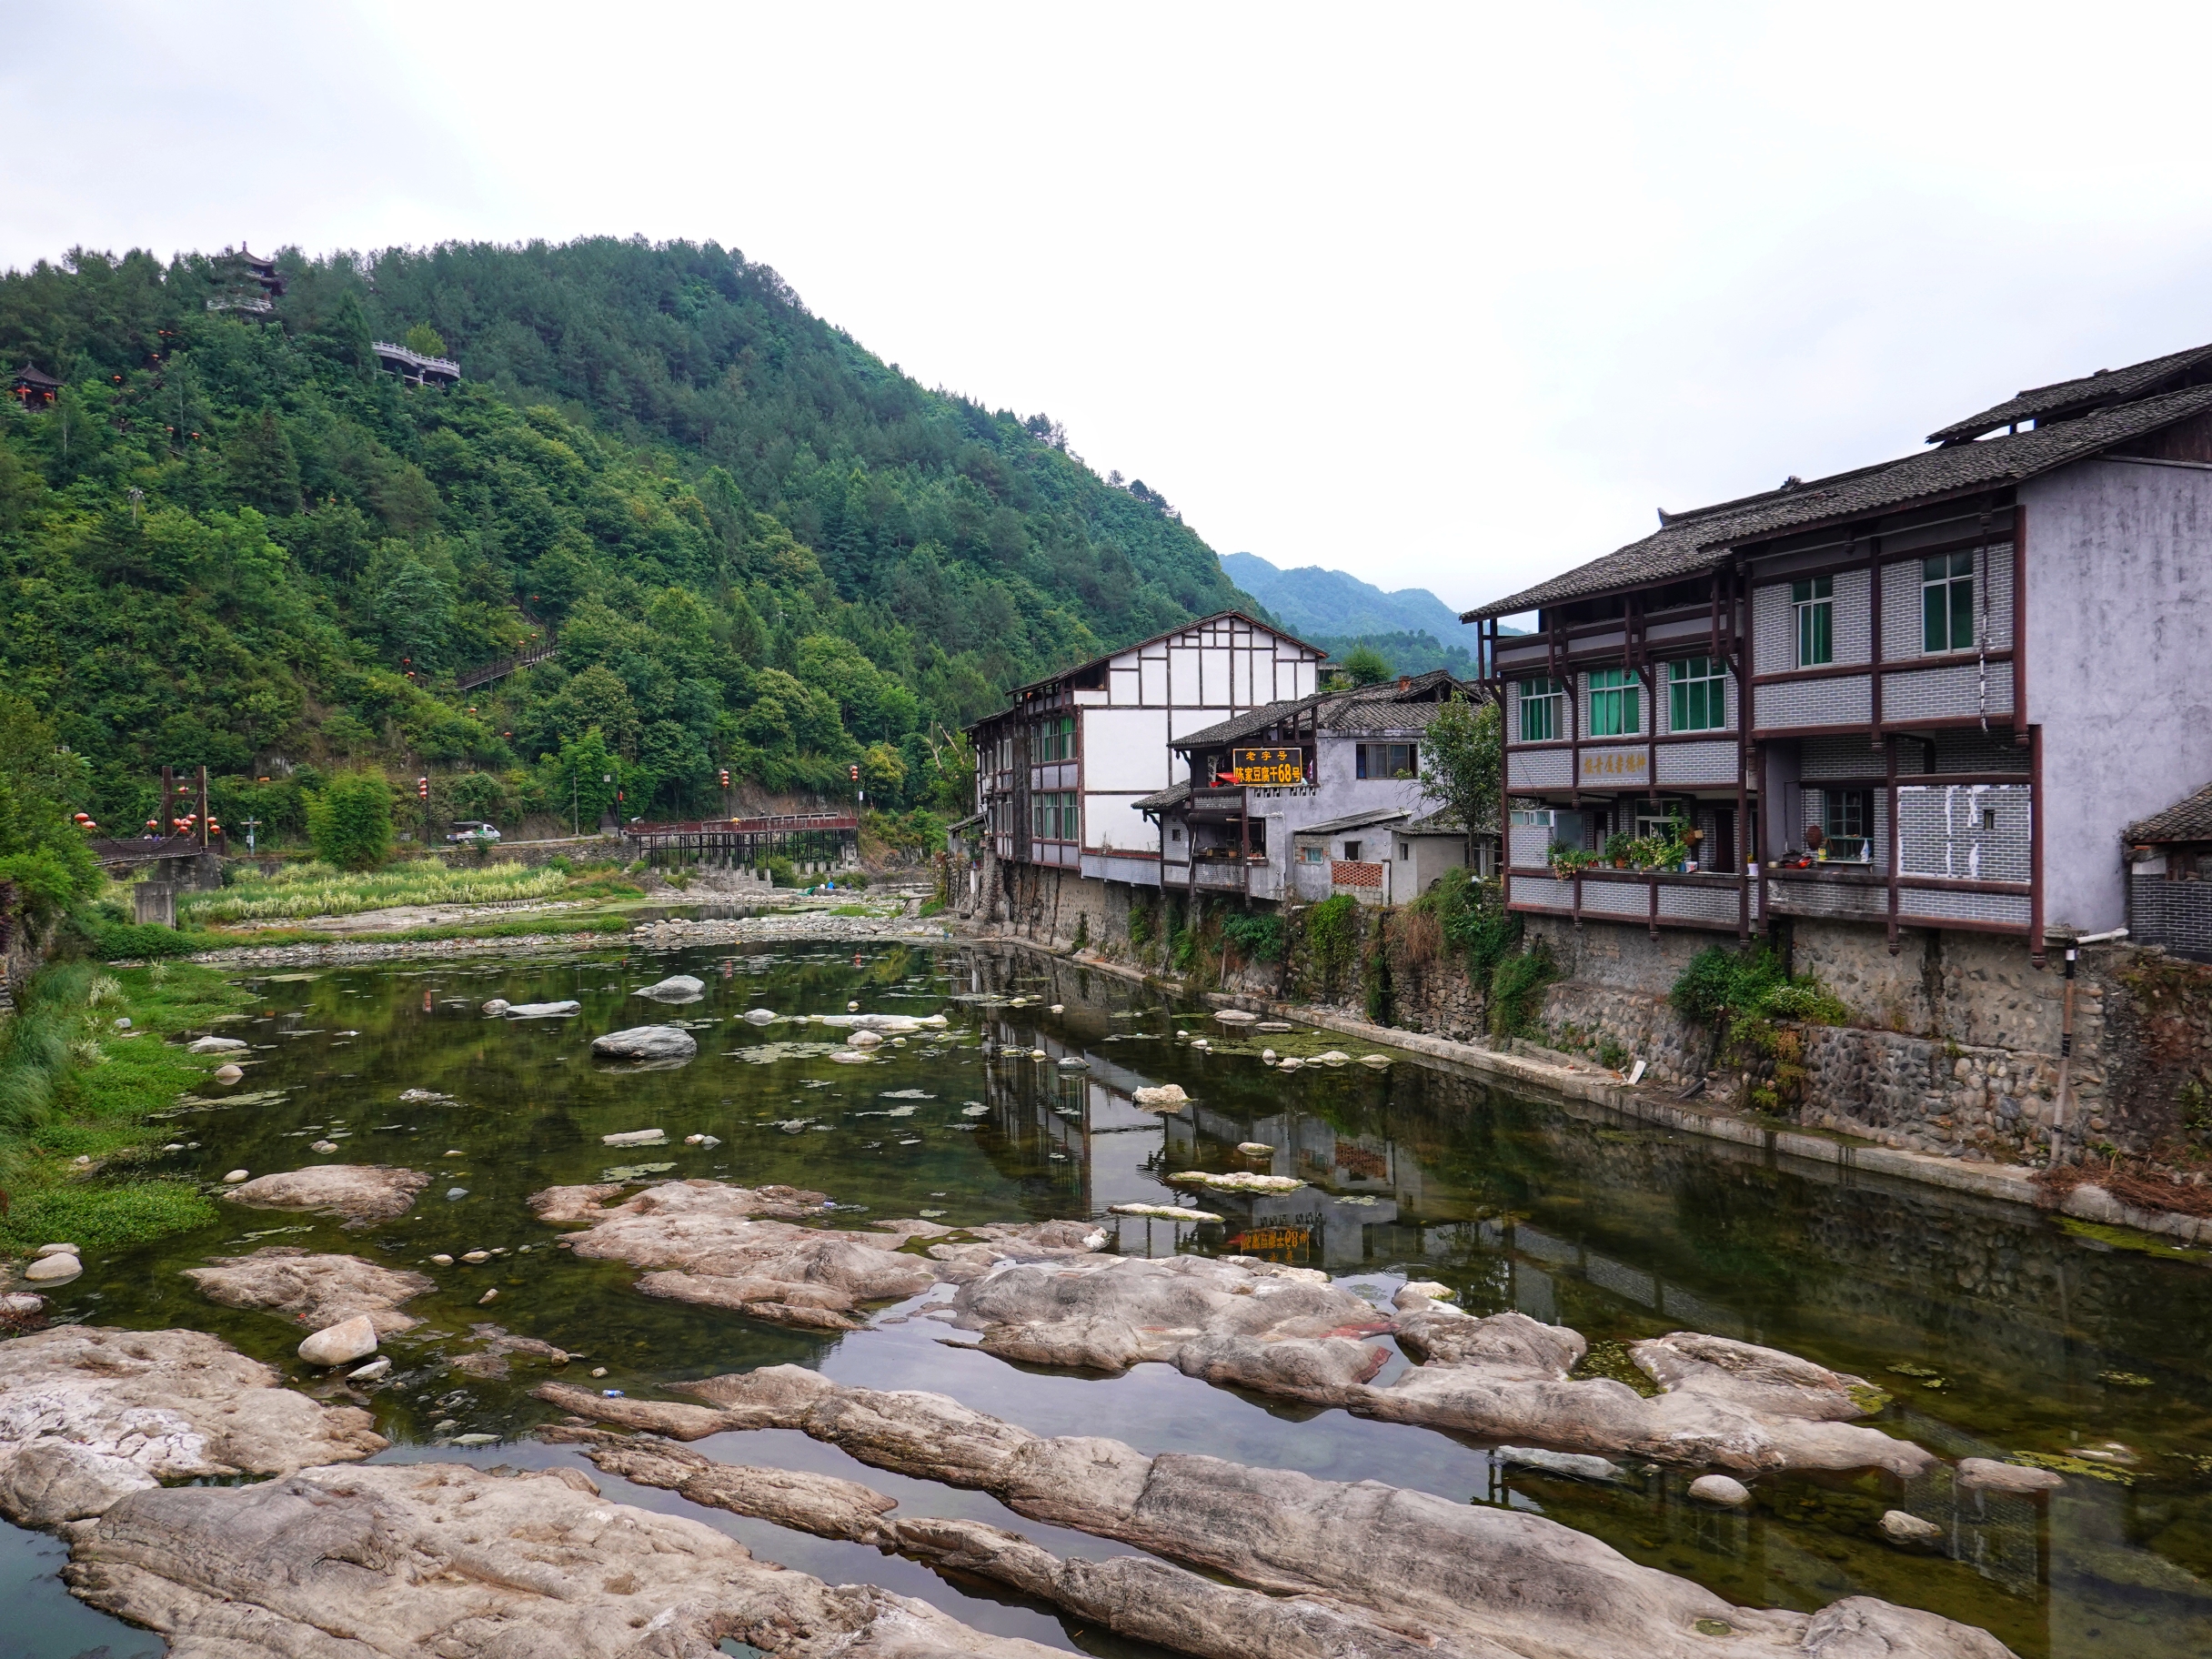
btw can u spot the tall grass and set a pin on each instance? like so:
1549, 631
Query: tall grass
36, 1045
301, 890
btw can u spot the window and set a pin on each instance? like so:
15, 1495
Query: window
1815, 601
1056, 737
1616, 707
1351, 853
1053, 815
1659, 823
1387, 760
1847, 822
1946, 602
1313, 855
1540, 701
1697, 693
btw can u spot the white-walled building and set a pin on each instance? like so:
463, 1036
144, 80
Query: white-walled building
1059, 773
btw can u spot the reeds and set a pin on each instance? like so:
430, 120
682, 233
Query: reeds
319, 890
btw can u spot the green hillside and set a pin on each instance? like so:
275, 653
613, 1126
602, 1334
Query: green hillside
232, 540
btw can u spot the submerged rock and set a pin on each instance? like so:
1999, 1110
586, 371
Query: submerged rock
87, 1414
361, 1192
320, 1290
646, 1042
1288, 1331
1379, 1569
1722, 1489
498, 1005
542, 1011
217, 1045
226, 1074
491, 1359
676, 988
1899, 1527
440, 1558
1236, 1181
1582, 1465
636, 1137
733, 1247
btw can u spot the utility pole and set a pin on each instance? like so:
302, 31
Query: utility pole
252, 824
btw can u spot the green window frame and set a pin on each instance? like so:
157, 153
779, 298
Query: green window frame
1540, 706
1056, 737
1697, 693
1616, 709
1946, 602
1813, 600
1054, 817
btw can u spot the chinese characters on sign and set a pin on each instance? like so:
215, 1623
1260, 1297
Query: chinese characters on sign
1267, 765
1616, 765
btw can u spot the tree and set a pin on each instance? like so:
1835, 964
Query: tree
581, 780
1461, 757
424, 340
415, 613
263, 472
349, 820
44, 865
1365, 665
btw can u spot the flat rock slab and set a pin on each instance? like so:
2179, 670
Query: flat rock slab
318, 1291
1452, 1578
1986, 1474
741, 1247
646, 1043
361, 1192
537, 1010
439, 1559
87, 1414
1288, 1331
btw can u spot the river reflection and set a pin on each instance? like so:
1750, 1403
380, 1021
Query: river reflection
1996, 1332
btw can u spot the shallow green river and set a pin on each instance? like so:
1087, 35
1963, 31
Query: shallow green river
1996, 1332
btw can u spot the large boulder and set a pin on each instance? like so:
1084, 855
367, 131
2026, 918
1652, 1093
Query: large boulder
86, 1414
342, 1344
317, 1291
442, 1559
1289, 1332
666, 1043
361, 1192
676, 988
1452, 1578
733, 1247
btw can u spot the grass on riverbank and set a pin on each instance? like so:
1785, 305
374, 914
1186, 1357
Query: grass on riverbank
300, 890
72, 1086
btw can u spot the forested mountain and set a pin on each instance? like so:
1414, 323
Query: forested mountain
232, 538
1414, 628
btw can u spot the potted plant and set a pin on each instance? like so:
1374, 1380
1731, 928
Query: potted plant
1616, 848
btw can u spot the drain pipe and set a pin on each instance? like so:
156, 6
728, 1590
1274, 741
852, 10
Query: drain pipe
2066, 1030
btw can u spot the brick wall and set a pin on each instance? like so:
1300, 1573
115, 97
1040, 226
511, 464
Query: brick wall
2176, 914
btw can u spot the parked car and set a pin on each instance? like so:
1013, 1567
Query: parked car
470, 832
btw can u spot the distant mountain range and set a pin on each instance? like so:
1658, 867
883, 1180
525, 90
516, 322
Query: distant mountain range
1412, 628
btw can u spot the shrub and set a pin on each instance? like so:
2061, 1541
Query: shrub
1332, 938
1516, 990
1377, 995
1258, 937
349, 820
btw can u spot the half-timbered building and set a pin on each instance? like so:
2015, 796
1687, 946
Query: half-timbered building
1061, 772
1931, 692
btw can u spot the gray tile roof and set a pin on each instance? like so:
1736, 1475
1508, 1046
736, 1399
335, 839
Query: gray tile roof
1174, 795
2075, 396
2186, 820
1690, 543
1354, 820
1387, 707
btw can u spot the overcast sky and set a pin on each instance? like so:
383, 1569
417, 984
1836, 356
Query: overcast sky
1447, 297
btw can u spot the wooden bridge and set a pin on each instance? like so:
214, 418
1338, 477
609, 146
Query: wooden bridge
468, 679
120, 853
826, 838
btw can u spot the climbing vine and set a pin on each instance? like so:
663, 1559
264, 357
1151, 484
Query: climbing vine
1332, 939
